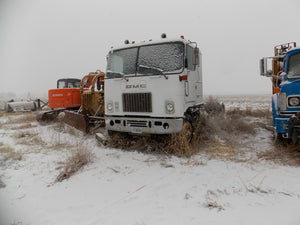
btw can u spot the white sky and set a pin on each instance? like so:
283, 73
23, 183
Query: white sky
44, 40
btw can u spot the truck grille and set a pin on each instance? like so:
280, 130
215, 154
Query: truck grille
137, 102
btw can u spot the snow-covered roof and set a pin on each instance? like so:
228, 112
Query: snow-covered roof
151, 42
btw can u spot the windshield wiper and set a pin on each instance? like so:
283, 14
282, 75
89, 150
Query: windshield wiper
154, 68
118, 73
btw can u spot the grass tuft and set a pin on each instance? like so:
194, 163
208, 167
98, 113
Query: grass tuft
78, 158
249, 112
175, 144
7, 153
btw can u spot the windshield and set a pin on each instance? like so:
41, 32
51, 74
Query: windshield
68, 83
166, 58
294, 66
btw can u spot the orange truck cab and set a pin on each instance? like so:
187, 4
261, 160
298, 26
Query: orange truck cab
67, 94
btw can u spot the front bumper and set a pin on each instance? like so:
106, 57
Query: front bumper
289, 127
144, 125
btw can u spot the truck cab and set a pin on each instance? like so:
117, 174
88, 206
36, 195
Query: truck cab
285, 75
153, 87
66, 95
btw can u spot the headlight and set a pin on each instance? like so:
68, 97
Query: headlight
170, 108
294, 101
109, 106
282, 101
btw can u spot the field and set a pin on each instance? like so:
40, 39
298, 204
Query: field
232, 173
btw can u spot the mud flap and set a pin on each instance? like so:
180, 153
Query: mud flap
79, 121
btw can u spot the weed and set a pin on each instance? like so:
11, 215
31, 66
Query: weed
2, 184
175, 144
27, 138
78, 158
8, 153
22, 118
249, 112
213, 107
283, 153
23, 134
213, 205
178, 145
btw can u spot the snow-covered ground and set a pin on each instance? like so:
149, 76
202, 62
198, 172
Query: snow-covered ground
135, 188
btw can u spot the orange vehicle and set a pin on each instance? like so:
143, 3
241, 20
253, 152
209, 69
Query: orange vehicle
67, 94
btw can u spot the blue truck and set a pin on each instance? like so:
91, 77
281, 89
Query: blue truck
284, 70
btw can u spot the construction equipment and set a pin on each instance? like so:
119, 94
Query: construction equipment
66, 96
153, 87
284, 70
91, 113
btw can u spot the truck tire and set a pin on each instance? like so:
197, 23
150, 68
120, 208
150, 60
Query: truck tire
294, 137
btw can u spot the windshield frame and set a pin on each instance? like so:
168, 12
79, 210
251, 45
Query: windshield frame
137, 73
289, 75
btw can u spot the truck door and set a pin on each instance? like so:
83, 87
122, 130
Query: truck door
192, 84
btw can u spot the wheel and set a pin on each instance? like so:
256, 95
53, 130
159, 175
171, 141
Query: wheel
294, 137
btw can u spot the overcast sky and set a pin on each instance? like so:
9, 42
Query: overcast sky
44, 40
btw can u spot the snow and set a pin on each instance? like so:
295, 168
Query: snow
135, 188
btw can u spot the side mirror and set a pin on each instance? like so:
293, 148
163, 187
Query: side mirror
196, 56
263, 66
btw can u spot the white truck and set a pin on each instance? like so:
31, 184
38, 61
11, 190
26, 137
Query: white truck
153, 87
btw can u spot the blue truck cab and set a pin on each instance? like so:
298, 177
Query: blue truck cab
285, 76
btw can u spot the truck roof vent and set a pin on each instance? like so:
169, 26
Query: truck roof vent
163, 35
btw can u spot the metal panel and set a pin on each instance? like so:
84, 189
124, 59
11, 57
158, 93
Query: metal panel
134, 123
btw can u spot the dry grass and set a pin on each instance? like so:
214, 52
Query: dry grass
213, 205
24, 134
8, 153
213, 107
24, 117
57, 142
29, 138
282, 153
2, 184
175, 144
78, 158
249, 112
179, 146
19, 120
212, 124
2, 113
22, 126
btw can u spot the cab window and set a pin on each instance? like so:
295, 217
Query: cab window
189, 58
